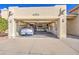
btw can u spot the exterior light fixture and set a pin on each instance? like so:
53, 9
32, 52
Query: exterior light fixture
62, 20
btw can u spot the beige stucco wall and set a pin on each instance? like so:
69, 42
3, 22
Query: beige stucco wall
73, 26
30, 11
22, 12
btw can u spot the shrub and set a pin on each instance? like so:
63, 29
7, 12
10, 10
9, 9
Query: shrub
3, 24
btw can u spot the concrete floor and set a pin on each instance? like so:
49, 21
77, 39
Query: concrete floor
39, 46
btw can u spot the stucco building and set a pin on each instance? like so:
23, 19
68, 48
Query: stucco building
52, 18
73, 21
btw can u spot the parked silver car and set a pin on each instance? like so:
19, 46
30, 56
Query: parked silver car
26, 31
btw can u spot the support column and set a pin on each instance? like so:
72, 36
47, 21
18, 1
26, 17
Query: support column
61, 23
61, 27
54, 28
11, 27
49, 28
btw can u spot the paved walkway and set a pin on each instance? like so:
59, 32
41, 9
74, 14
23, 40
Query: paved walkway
38, 46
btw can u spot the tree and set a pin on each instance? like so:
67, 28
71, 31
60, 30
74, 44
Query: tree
3, 25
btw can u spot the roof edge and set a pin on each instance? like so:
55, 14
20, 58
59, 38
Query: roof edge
76, 7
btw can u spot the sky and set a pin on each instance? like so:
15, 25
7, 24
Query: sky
69, 6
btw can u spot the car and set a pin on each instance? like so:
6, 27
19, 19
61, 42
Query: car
26, 31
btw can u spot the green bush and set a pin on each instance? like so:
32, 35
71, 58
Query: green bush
3, 24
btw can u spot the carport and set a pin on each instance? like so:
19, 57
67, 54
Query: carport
53, 17
53, 23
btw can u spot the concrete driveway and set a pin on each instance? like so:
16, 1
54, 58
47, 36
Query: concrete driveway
38, 46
